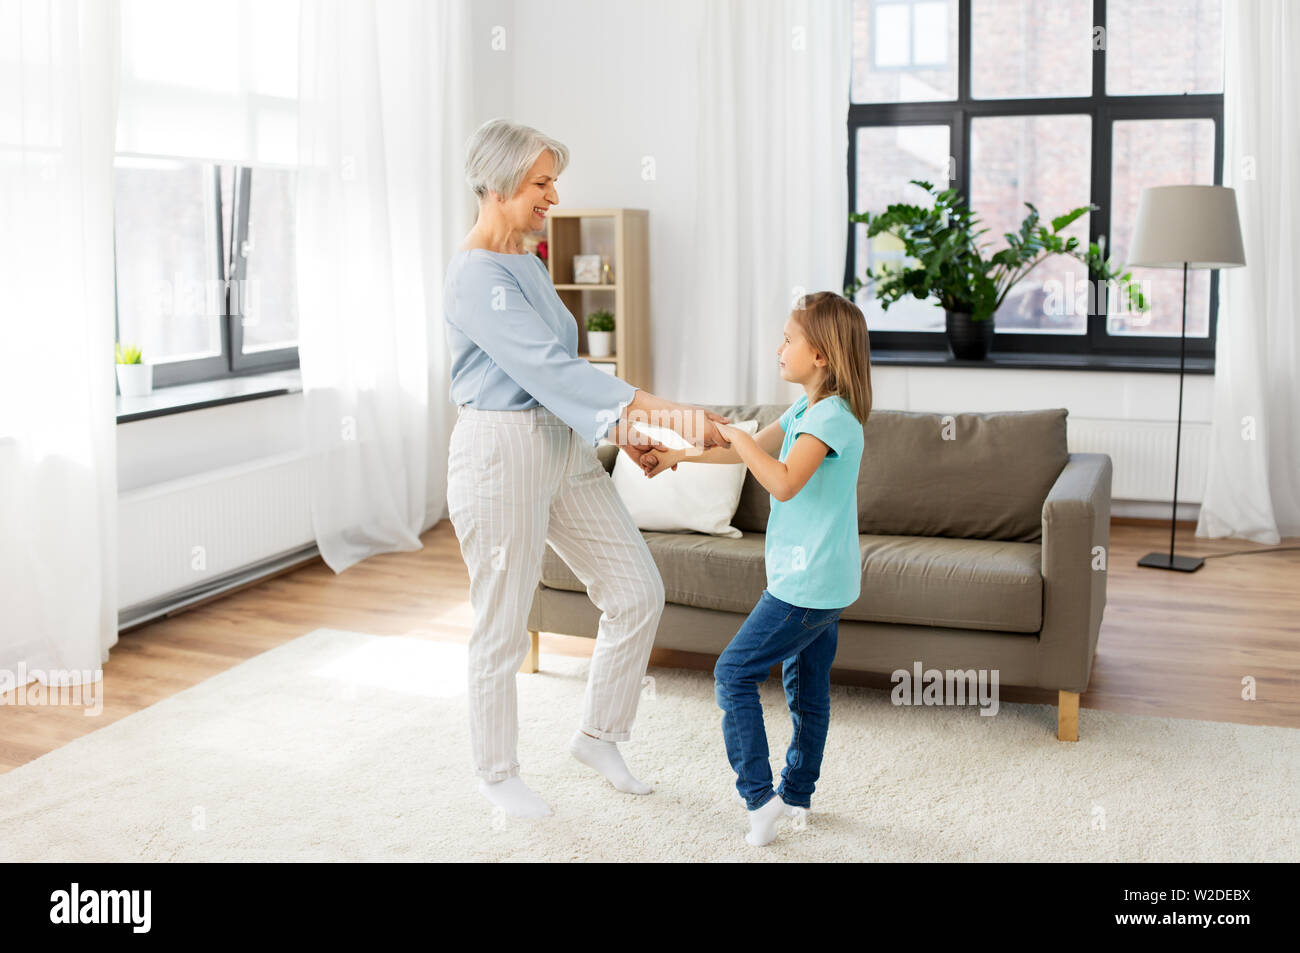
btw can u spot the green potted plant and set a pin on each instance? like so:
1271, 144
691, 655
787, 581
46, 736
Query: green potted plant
600, 333
946, 261
134, 377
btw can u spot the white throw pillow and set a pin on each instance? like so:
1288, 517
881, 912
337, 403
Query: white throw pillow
695, 498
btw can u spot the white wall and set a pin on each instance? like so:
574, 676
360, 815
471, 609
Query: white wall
610, 81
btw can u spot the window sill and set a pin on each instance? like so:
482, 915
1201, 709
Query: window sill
180, 398
1010, 360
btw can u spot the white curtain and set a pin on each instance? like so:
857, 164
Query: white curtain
384, 108
771, 191
1253, 486
58, 466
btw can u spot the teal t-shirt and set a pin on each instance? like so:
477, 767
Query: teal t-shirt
812, 553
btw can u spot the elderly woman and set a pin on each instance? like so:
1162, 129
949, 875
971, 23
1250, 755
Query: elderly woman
523, 472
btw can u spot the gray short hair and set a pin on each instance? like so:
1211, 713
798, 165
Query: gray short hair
500, 153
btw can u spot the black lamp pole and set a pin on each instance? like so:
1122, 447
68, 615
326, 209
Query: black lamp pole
1169, 560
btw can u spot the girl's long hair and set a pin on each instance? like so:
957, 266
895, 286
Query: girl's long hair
836, 327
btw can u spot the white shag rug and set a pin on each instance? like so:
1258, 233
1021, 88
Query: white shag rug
340, 746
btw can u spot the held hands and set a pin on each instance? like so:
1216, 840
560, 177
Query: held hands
654, 462
702, 429
730, 432
657, 461
715, 435
640, 447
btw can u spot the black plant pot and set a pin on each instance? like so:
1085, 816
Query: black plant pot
969, 340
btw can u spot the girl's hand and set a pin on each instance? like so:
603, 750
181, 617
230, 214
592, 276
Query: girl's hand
718, 422
657, 461
730, 432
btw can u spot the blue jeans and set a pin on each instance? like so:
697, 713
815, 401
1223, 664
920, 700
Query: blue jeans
805, 640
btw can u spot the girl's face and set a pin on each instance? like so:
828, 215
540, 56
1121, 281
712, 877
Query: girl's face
799, 362
526, 210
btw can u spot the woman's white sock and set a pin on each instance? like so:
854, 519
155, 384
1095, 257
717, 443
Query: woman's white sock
514, 797
603, 756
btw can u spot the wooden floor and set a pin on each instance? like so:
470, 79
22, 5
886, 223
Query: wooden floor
1172, 644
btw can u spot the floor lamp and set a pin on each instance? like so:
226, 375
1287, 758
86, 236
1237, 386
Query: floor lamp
1184, 226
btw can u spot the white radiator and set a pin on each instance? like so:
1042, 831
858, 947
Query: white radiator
1142, 453
180, 534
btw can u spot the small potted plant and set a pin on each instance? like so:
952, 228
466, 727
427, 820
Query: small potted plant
947, 262
134, 378
600, 333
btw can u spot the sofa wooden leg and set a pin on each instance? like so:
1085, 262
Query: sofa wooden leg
1067, 716
531, 659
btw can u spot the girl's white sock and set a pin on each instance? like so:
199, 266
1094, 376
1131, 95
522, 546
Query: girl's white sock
789, 808
763, 821
514, 797
603, 756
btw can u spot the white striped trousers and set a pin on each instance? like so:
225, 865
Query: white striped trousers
517, 480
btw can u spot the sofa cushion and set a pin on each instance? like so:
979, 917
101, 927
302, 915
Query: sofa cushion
968, 476
957, 583
708, 572
983, 477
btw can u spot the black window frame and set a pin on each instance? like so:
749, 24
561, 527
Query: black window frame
1103, 109
230, 265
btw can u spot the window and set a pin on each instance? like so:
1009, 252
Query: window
902, 50
1158, 47
910, 34
1024, 49
899, 154
1149, 152
1043, 160
1061, 104
205, 267
265, 267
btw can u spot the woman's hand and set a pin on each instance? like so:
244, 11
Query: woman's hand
701, 427
697, 426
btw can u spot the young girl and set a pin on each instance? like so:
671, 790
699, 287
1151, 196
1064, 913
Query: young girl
814, 569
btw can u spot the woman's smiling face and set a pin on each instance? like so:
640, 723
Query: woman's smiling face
527, 209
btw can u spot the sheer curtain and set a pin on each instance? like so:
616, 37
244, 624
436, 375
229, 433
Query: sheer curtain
58, 466
384, 105
210, 80
1253, 486
771, 193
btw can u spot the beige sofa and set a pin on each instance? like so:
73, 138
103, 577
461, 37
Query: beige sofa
983, 546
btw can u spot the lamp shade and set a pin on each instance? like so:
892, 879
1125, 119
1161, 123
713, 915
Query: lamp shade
1193, 225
